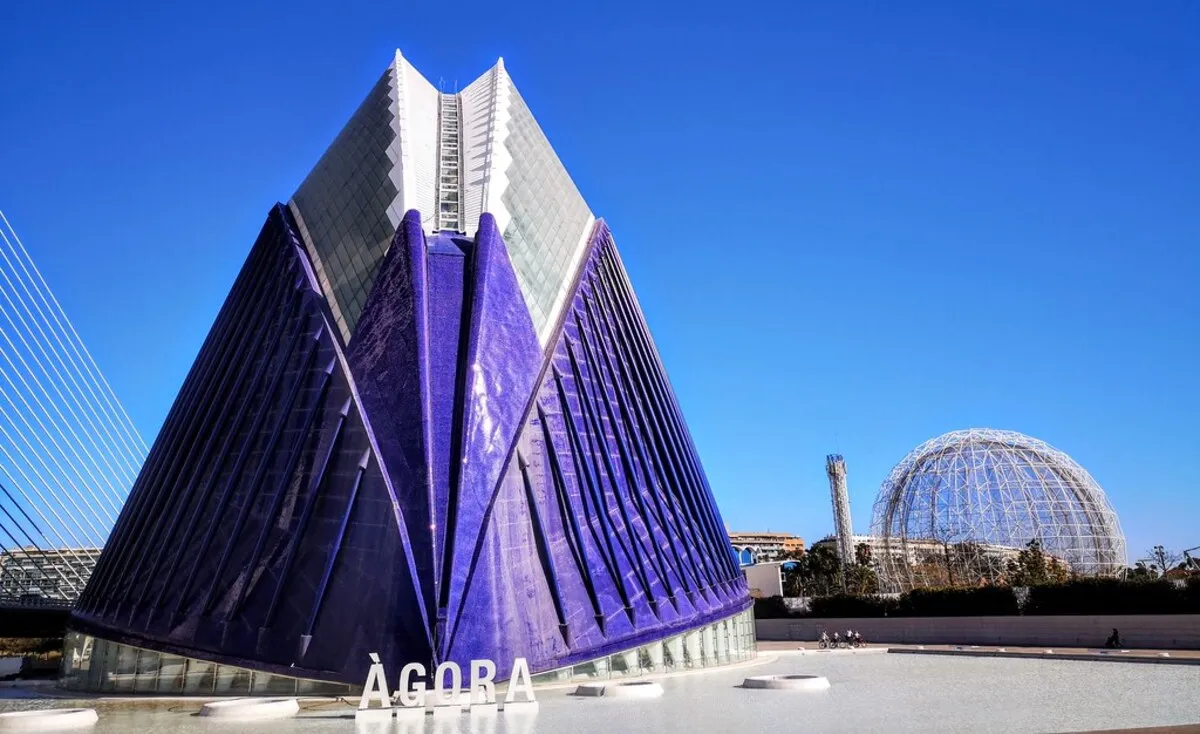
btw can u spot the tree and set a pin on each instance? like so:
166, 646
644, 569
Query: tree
1035, 567
1164, 560
815, 573
862, 555
860, 576
823, 572
861, 579
820, 572
972, 564
930, 570
1140, 572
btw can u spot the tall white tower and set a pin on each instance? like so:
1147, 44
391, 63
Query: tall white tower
835, 467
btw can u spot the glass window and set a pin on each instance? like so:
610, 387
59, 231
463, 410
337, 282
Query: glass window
323, 688
265, 683
591, 669
624, 664
146, 680
171, 669
691, 650
199, 677
100, 663
673, 653
122, 675
232, 681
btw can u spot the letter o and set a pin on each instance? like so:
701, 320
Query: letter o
439, 678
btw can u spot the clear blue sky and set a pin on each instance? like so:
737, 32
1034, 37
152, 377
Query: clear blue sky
853, 226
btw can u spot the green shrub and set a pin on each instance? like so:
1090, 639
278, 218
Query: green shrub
1108, 596
770, 607
984, 601
851, 605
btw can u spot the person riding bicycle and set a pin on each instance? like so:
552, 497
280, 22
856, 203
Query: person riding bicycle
837, 638
858, 638
824, 638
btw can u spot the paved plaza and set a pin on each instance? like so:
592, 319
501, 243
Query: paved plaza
870, 691
1182, 657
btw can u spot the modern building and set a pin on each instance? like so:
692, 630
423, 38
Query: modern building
32, 576
428, 423
915, 551
760, 547
980, 496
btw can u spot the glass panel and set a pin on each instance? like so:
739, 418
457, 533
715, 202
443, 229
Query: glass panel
652, 658
691, 650
722, 642
624, 664
707, 649
552, 676
97, 673
121, 675
322, 688
147, 672
74, 666
199, 677
674, 653
267, 683
171, 670
591, 669
232, 681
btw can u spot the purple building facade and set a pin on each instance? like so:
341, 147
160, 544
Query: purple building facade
436, 434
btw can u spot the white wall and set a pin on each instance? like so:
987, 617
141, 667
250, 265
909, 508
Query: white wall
764, 579
1169, 631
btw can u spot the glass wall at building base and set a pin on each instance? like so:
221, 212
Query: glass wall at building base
99, 665
95, 664
724, 642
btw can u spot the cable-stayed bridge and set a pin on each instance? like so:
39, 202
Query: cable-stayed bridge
69, 453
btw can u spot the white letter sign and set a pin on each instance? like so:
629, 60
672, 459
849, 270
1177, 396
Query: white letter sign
483, 690
439, 691
521, 681
376, 685
415, 698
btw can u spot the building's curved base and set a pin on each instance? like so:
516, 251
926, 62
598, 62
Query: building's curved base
97, 665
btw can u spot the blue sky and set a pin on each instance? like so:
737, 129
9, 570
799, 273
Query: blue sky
853, 226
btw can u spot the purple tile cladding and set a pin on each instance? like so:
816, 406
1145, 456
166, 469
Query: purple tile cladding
498, 370
602, 533
442, 489
390, 360
318, 574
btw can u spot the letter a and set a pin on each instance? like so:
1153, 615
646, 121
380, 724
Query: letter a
376, 685
520, 680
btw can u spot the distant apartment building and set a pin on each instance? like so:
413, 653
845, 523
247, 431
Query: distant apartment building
760, 547
52, 575
923, 562
916, 551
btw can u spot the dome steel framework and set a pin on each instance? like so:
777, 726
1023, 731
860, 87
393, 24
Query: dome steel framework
959, 507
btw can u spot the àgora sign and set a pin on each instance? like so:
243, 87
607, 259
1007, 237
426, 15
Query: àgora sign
412, 688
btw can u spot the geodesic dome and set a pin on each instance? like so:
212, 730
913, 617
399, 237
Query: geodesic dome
960, 506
